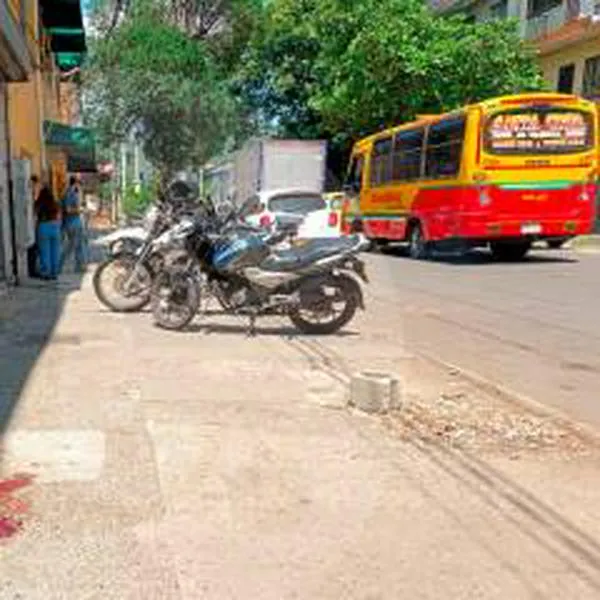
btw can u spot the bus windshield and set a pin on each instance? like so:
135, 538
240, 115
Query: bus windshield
539, 131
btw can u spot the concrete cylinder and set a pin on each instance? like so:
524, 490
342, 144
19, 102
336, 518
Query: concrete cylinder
375, 392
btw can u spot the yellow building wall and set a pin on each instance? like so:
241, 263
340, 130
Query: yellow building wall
24, 112
33, 102
576, 54
25, 126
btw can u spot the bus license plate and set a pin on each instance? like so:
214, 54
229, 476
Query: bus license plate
531, 229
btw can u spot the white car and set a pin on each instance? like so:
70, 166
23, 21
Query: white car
284, 208
326, 222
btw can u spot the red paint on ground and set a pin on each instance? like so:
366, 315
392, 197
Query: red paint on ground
8, 486
14, 505
11, 507
9, 527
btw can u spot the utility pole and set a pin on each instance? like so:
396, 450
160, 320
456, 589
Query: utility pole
136, 166
114, 208
123, 176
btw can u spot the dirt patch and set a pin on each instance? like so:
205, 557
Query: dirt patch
460, 414
445, 405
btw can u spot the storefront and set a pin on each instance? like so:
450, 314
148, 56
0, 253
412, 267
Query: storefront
72, 149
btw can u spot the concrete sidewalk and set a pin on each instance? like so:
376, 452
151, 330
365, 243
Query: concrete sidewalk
209, 465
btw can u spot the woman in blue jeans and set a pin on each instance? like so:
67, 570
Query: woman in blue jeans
48, 229
73, 227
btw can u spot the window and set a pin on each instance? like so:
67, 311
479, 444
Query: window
444, 148
535, 8
539, 131
566, 77
355, 172
591, 78
408, 148
381, 162
298, 204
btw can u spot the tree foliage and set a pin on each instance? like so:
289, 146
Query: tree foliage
151, 76
343, 68
188, 75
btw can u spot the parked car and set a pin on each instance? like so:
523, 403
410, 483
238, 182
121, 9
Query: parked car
326, 222
286, 208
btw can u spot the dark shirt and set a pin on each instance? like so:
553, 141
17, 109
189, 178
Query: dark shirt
47, 208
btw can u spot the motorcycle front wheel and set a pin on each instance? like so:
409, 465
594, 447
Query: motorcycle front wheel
326, 308
123, 285
175, 299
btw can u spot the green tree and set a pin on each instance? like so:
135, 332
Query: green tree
342, 68
150, 77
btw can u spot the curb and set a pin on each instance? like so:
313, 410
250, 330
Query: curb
585, 243
326, 361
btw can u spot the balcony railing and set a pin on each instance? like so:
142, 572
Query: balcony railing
544, 24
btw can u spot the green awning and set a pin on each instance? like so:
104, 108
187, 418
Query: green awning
77, 142
59, 134
63, 22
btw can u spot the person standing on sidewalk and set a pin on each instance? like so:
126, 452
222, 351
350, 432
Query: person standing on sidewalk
48, 233
73, 227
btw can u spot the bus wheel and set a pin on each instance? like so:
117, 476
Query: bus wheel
418, 248
378, 244
510, 251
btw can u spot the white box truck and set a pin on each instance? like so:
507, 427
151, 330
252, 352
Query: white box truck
269, 164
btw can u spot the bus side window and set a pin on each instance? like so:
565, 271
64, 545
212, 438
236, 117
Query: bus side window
408, 149
381, 164
444, 148
355, 173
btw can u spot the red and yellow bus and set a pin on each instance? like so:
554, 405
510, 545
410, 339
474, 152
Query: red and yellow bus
502, 173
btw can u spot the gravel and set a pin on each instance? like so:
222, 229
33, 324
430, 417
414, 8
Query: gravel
465, 417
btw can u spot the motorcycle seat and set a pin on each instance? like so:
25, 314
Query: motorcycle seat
310, 251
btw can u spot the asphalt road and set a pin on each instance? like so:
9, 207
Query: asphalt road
531, 327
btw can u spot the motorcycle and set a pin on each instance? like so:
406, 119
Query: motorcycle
129, 239
316, 285
122, 282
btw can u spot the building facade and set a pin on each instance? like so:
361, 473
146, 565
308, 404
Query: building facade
15, 66
41, 43
565, 33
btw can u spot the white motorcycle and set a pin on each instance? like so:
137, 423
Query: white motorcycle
128, 240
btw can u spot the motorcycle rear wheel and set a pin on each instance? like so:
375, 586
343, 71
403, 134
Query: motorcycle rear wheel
342, 292
123, 302
175, 300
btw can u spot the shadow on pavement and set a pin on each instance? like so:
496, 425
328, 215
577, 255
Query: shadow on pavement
28, 316
241, 328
